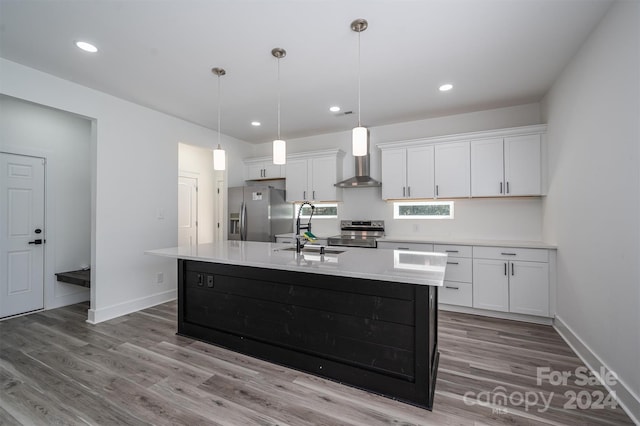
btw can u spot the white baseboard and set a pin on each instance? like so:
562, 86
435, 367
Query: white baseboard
495, 314
104, 314
629, 401
68, 299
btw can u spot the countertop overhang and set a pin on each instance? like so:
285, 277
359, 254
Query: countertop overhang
402, 266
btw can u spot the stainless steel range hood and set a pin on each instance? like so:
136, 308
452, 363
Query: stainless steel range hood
362, 178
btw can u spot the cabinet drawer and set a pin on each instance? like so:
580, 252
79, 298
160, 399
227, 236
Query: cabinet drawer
509, 253
453, 250
459, 269
405, 246
452, 293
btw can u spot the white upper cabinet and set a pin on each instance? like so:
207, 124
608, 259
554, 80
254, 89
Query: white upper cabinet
408, 173
522, 165
312, 176
487, 168
506, 166
452, 170
394, 173
262, 168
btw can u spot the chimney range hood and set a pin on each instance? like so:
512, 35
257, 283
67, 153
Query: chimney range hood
362, 178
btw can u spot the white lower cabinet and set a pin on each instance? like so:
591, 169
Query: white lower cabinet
458, 278
502, 279
519, 286
455, 293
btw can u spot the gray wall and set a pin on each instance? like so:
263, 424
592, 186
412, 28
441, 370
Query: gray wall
592, 209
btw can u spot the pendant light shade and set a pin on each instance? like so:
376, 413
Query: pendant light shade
279, 152
279, 145
219, 159
219, 156
359, 141
359, 137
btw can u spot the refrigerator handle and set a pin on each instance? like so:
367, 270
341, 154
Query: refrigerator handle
243, 221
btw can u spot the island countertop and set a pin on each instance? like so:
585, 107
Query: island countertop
410, 267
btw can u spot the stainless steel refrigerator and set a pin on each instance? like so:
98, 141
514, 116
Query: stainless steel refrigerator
258, 213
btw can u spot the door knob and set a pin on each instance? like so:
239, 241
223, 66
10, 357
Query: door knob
36, 242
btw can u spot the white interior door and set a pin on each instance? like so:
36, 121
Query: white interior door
21, 234
187, 211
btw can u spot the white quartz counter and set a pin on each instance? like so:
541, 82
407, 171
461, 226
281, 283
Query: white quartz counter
469, 242
384, 265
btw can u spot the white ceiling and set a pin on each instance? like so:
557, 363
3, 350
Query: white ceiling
160, 53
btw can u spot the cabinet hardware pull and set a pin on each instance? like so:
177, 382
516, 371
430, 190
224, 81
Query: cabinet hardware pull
501, 187
451, 251
508, 254
505, 268
437, 190
452, 287
313, 195
404, 194
408, 191
304, 195
402, 248
512, 273
507, 187
452, 263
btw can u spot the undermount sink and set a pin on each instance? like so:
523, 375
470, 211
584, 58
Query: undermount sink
315, 249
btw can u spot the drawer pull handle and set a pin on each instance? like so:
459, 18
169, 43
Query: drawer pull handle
505, 269
452, 251
402, 248
452, 263
452, 287
508, 254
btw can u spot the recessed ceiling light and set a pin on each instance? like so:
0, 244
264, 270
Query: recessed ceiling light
255, 123
446, 87
87, 47
334, 109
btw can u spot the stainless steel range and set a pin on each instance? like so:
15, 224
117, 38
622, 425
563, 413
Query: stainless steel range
358, 233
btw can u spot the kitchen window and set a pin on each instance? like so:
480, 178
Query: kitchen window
423, 210
323, 211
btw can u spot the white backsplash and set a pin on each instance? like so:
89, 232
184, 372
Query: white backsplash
478, 218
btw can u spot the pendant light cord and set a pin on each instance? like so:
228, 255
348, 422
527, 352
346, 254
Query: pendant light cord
279, 99
359, 110
219, 102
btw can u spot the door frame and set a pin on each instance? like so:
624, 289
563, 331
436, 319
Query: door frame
196, 176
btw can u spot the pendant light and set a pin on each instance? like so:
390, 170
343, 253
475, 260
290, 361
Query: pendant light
219, 156
359, 138
279, 146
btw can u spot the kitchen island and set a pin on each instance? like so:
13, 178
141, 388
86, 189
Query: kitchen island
362, 317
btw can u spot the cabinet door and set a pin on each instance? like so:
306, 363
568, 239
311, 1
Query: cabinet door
420, 173
272, 171
255, 171
394, 173
323, 179
452, 166
522, 165
490, 285
487, 166
296, 180
529, 288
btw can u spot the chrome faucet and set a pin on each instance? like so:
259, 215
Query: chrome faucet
300, 241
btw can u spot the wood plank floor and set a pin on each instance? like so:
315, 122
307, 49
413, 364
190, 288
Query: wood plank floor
57, 369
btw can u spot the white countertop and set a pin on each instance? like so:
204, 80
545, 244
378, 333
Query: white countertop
402, 266
468, 242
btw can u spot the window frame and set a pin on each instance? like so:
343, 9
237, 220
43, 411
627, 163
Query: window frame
398, 204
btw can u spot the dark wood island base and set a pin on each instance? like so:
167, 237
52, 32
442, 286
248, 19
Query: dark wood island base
379, 336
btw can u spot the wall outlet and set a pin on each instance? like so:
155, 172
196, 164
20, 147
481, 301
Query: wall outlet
160, 277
